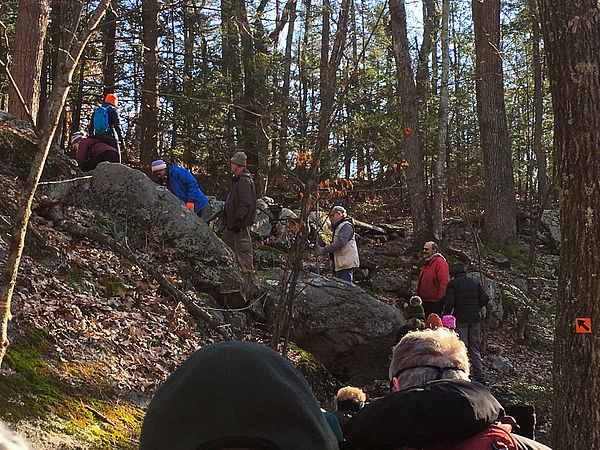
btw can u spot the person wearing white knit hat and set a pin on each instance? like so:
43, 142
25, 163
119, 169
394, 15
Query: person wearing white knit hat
181, 183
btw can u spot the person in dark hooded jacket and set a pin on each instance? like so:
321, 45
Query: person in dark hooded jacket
464, 298
235, 395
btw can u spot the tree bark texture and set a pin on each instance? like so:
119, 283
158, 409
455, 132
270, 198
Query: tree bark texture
409, 105
149, 113
572, 44
27, 57
440, 161
109, 33
49, 124
282, 145
538, 103
500, 223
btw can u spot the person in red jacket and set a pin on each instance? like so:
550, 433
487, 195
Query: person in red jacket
433, 279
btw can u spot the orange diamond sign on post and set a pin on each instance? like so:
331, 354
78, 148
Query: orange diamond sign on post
583, 325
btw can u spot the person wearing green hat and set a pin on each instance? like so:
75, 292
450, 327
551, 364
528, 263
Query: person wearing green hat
236, 394
240, 213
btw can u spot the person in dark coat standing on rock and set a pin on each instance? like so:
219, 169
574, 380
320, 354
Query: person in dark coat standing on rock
433, 279
240, 213
91, 152
464, 298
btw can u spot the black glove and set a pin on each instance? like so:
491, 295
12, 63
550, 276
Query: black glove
236, 227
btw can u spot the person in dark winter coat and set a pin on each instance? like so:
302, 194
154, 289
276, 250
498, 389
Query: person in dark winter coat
464, 298
240, 213
114, 137
433, 405
343, 248
181, 183
235, 395
433, 279
91, 152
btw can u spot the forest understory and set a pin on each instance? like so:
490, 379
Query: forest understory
92, 336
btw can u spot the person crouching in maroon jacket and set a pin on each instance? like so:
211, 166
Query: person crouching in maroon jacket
433, 279
91, 152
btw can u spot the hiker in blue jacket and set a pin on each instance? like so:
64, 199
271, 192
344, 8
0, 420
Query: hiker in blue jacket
181, 183
105, 124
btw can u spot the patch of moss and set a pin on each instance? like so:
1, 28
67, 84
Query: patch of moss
113, 285
517, 254
79, 278
318, 377
35, 390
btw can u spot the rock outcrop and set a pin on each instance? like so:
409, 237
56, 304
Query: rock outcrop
349, 331
129, 194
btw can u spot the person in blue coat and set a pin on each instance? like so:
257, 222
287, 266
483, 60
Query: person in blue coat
181, 183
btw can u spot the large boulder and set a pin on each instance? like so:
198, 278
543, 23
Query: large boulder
388, 280
349, 331
129, 194
551, 221
496, 298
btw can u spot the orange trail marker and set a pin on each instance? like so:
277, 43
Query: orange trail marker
583, 325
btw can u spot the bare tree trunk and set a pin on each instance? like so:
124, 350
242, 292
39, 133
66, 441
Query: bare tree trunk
284, 309
76, 108
109, 33
572, 44
409, 104
283, 145
27, 57
430, 26
149, 113
538, 103
189, 156
440, 162
500, 222
54, 107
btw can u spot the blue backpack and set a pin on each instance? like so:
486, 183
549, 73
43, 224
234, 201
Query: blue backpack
101, 126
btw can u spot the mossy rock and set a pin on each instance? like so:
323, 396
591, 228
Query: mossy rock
319, 378
18, 147
517, 254
34, 389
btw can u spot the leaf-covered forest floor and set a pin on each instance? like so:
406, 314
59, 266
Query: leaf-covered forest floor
93, 336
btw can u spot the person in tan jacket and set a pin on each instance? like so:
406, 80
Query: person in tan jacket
343, 247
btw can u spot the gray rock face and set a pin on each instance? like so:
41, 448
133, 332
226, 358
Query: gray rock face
503, 365
349, 331
128, 193
493, 291
388, 281
551, 220
499, 259
262, 225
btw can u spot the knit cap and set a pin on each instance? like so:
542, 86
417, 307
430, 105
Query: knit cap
235, 394
77, 136
159, 164
433, 321
240, 159
449, 321
112, 99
